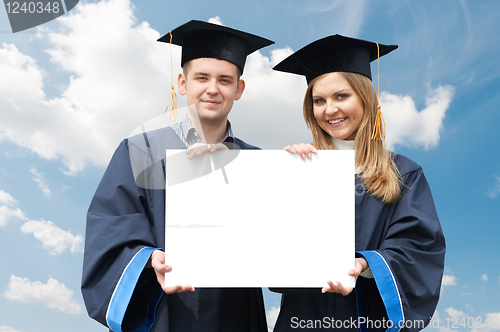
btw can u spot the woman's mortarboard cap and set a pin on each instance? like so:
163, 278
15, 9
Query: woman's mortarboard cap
206, 40
334, 54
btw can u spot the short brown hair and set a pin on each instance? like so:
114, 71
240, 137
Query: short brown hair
187, 67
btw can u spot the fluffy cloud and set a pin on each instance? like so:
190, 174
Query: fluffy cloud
449, 280
493, 321
487, 323
409, 127
118, 79
484, 277
54, 239
7, 199
216, 20
482, 323
454, 313
8, 210
496, 188
52, 294
42, 182
4, 328
269, 114
272, 316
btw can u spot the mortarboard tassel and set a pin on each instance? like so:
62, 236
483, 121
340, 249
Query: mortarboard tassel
175, 100
379, 128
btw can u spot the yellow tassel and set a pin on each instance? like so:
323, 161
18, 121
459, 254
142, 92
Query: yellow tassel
175, 100
379, 129
175, 105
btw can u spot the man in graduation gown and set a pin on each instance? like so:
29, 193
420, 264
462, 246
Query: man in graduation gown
124, 264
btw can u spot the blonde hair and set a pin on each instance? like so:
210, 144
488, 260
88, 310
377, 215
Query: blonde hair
376, 165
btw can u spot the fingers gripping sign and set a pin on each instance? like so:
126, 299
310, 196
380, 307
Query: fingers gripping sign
337, 287
302, 149
157, 262
200, 148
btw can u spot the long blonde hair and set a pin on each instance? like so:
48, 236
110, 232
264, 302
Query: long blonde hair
376, 165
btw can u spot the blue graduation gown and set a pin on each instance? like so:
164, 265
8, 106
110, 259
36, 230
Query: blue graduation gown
125, 223
404, 246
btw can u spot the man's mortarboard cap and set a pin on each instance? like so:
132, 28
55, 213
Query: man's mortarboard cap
334, 54
206, 40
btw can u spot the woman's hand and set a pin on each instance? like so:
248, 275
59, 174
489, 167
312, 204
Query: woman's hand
303, 150
336, 287
200, 148
157, 262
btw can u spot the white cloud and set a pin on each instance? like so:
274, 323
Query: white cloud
215, 20
52, 294
120, 78
409, 127
42, 182
458, 319
484, 277
54, 239
7, 199
487, 323
436, 322
454, 313
269, 114
496, 188
493, 320
449, 280
4, 328
7, 209
272, 316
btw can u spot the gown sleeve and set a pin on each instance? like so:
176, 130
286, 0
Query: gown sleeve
407, 266
117, 289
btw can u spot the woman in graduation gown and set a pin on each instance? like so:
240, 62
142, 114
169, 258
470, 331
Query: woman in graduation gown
399, 245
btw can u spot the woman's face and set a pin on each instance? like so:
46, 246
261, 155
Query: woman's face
337, 107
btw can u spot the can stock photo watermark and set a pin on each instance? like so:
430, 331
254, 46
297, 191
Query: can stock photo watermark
24, 15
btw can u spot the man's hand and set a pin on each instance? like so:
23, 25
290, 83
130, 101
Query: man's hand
337, 287
200, 148
157, 262
303, 150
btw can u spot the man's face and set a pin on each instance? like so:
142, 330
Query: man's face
212, 86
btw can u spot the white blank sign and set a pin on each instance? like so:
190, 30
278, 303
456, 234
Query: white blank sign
266, 219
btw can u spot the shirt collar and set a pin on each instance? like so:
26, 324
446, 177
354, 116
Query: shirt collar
191, 136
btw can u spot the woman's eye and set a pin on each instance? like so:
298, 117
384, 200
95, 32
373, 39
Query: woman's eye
318, 101
342, 96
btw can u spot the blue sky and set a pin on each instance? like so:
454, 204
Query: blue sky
71, 89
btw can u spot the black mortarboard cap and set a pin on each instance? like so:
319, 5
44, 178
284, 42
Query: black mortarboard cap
333, 54
206, 40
